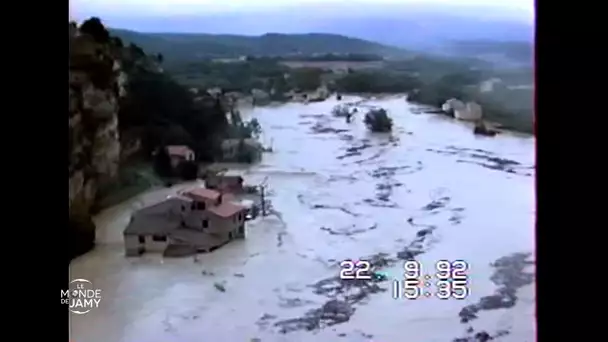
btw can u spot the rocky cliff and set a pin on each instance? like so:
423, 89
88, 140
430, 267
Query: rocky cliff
122, 104
96, 82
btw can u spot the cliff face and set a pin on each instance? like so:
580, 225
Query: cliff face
96, 83
122, 107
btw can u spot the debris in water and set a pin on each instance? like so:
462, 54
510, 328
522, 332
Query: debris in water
264, 321
220, 287
379, 203
322, 127
349, 231
314, 116
355, 150
280, 236
293, 302
239, 275
483, 158
323, 206
332, 312
339, 310
437, 203
510, 275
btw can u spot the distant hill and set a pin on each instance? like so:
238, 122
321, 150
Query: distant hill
414, 26
517, 52
183, 46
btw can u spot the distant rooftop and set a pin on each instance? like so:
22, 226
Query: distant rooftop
178, 150
203, 194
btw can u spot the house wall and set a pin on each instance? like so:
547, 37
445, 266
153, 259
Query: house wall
194, 219
154, 246
131, 245
225, 183
227, 225
175, 160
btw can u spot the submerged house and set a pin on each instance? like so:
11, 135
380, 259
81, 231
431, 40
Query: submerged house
226, 182
179, 154
198, 220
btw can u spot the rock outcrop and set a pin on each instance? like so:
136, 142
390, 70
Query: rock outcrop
96, 83
452, 105
471, 112
482, 128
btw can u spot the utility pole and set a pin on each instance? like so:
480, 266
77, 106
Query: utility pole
263, 200
263, 196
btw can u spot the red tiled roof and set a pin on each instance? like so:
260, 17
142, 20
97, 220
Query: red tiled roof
203, 194
178, 150
226, 209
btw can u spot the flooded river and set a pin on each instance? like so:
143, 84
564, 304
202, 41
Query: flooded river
429, 191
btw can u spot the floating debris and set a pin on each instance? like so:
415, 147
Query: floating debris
510, 275
220, 287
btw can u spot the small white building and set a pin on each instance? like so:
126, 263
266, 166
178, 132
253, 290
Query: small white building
179, 153
471, 112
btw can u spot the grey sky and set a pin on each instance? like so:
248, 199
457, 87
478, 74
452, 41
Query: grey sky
80, 9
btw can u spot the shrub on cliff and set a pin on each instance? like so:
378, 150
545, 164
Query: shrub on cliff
162, 163
377, 120
95, 29
188, 170
168, 112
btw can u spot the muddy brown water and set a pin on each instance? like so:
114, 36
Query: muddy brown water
431, 190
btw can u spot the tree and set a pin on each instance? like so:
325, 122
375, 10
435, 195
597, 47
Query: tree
377, 120
188, 170
162, 163
306, 78
117, 41
95, 29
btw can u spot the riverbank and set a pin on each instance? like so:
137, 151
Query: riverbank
496, 118
514, 120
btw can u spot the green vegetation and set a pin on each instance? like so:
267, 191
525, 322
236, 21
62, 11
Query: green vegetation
188, 47
158, 110
429, 80
377, 120
264, 74
376, 82
168, 114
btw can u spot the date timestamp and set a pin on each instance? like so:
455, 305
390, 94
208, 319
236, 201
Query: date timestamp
355, 269
448, 280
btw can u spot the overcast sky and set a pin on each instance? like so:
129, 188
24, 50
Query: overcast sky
152, 8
